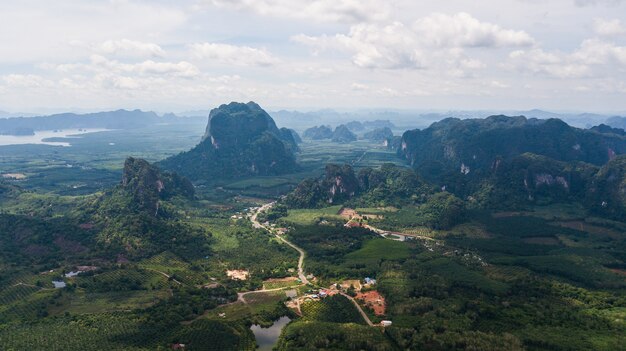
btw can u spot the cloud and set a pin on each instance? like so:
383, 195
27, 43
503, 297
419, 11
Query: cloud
593, 58
130, 48
373, 46
350, 11
583, 3
427, 41
463, 30
26, 81
37, 30
232, 54
608, 28
598, 52
148, 67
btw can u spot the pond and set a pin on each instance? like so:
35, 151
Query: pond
58, 284
267, 338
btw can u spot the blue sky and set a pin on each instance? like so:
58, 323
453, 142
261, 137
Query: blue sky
350, 54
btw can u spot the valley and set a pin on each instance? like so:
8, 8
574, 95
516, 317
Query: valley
349, 245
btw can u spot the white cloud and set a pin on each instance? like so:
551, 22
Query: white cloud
359, 87
608, 28
556, 65
101, 64
350, 11
38, 30
463, 30
131, 48
149, 67
598, 52
232, 54
593, 58
373, 46
426, 42
26, 81
598, 2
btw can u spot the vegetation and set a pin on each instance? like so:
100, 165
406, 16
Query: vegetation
379, 134
240, 140
343, 135
317, 133
526, 252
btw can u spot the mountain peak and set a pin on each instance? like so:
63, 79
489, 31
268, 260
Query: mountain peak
241, 139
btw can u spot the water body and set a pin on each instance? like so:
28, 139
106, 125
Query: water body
58, 284
267, 338
41, 135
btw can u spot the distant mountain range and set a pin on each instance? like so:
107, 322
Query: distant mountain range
356, 121
120, 119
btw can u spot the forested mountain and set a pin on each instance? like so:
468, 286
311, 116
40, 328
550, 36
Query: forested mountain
606, 194
379, 134
148, 185
318, 133
381, 186
120, 119
473, 147
240, 140
525, 180
343, 135
135, 216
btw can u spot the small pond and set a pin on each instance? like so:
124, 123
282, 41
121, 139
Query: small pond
267, 338
58, 284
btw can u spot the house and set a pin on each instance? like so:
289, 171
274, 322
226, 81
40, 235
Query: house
323, 294
385, 323
178, 346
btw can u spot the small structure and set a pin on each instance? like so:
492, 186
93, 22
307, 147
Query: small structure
385, 323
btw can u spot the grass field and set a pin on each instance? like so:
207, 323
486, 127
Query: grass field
256, 303
312, 216
375, 250
81, 302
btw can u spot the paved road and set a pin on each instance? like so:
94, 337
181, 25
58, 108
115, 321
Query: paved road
256, 224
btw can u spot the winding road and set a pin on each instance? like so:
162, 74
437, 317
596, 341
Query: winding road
256, 224
301, 274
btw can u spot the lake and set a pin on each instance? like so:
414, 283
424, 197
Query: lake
58, 284
41, 135
266, 338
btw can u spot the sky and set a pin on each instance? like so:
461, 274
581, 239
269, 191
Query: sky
177, 55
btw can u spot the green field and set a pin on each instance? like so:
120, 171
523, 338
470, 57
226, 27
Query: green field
312, 216
375, 250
